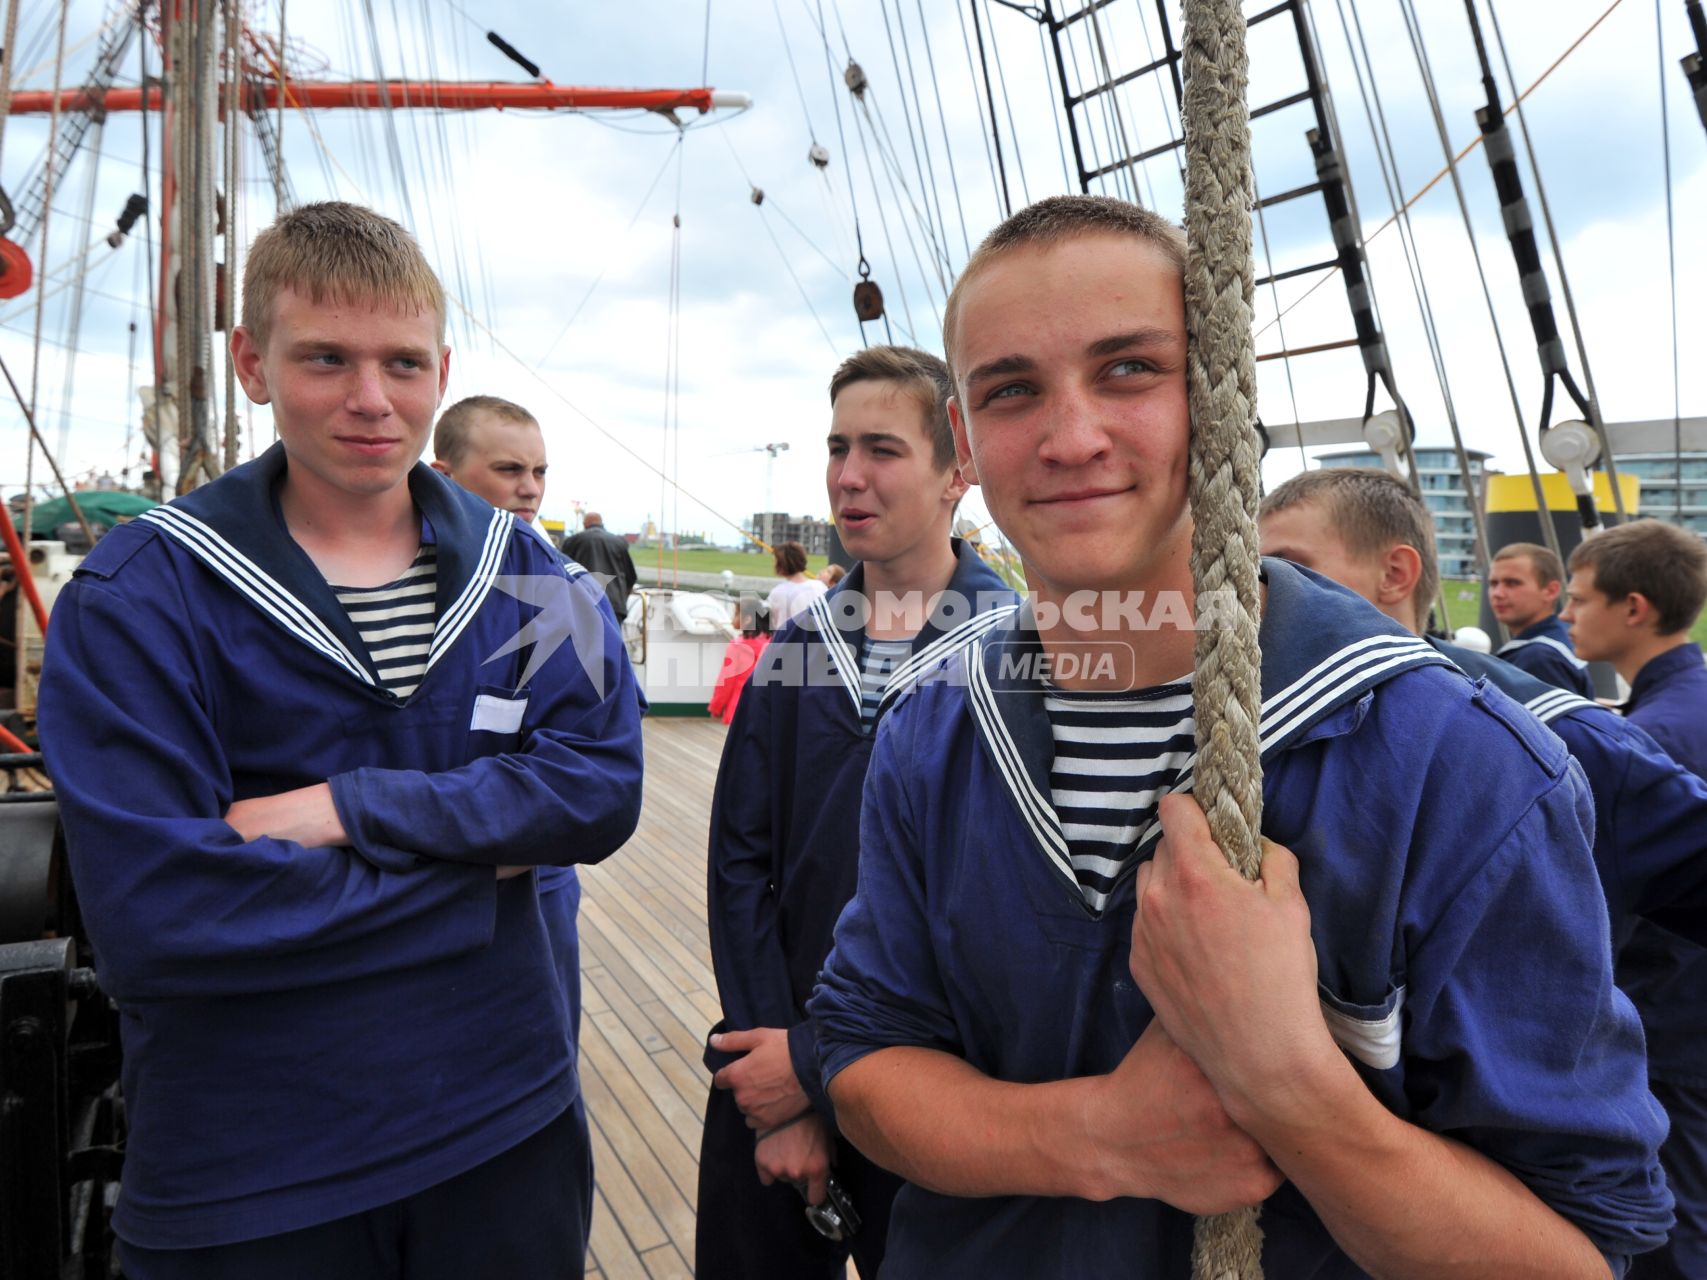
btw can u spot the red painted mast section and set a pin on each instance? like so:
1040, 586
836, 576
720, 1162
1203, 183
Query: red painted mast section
368, 94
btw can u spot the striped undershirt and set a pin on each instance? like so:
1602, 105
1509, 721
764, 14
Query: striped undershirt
396, 622
877, 661
1116, 754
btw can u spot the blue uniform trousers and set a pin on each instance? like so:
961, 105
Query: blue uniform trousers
522, 1215
748, 1231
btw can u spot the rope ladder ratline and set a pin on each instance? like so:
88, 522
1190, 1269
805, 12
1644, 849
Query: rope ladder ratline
1224, 486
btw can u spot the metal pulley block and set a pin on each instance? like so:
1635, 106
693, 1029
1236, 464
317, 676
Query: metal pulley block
868, 301
855, 78
819, 155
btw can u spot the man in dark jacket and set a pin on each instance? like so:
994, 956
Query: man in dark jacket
785, 823
599, 551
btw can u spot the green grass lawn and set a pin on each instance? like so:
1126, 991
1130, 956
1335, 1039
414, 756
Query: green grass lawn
712, 560
1464, 611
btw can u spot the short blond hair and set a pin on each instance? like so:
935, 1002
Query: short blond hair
1053, 220
450, 436
337, 252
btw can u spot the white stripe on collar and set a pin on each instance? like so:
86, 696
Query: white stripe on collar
467, 603
1549, 706
1512, 645
944, 647
1037, 809
267, 594
843, 660
248, 578
1285, 712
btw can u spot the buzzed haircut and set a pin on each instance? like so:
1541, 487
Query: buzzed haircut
1057, 218
337, 252
1548, 567
1666, 564
450, 437
790, 558
918, 374
1372, 512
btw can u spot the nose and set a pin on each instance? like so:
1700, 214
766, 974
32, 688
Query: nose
368, 397
848, 473
1075, 435
530, 486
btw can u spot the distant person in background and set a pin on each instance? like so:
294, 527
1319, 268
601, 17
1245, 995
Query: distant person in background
831, 576
1524, 582
1634, 594
493, 448
600, 551
739, 660
796, 591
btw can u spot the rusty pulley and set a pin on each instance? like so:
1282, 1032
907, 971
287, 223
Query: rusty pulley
868, 301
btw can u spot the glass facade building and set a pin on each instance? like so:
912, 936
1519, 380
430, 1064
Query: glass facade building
1666, 494
1446, 497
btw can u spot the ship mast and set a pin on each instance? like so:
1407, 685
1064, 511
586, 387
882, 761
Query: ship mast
215, 70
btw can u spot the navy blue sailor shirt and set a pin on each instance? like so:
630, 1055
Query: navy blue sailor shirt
310, 1032
1443, 837
784, 844
1543, 649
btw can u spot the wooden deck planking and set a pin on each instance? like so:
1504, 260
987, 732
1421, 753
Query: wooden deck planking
649, 996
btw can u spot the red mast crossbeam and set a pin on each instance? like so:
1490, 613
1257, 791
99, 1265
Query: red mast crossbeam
449, 96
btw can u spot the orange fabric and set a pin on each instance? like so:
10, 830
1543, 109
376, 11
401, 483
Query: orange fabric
738, 662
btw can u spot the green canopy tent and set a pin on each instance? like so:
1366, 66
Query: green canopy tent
100, 506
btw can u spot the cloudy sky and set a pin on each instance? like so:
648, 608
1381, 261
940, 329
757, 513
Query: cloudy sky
555, 232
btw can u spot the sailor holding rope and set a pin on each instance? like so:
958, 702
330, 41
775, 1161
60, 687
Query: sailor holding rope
1067, 1031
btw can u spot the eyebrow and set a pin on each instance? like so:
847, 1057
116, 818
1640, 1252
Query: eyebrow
1114, 344
311, 343
868, 438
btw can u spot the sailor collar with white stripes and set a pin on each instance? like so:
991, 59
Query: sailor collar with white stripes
833, 620
234, 527
1322, 649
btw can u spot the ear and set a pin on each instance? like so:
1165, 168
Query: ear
962, 443
1640, 613
246, 359
441, 466
1401, 568
444, 371
1550, 592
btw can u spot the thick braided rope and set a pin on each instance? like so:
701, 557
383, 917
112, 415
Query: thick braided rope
1224, 486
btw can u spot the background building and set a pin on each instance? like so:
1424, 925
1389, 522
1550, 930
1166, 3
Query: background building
1448, 500
1665, 494
809, 531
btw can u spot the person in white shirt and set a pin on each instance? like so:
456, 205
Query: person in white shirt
796, 590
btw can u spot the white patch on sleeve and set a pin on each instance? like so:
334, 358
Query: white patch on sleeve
1372, 1041
497, 715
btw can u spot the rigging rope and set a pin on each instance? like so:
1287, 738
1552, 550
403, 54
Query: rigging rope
1595, 418
35, 352
1007, 103
1111, 107
1387, 158
1468, 148
79, 279
889, 243
940, 259
6, 51
1671, 258
997, 184
924, 137
1224, 484
942, 119
1054, 115
1549, 535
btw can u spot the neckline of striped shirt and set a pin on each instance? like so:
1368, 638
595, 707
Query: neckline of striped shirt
877, 662
396, 621
1116, 755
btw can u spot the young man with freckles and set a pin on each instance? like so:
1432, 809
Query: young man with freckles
1052, 1006
784, 844
311, 739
